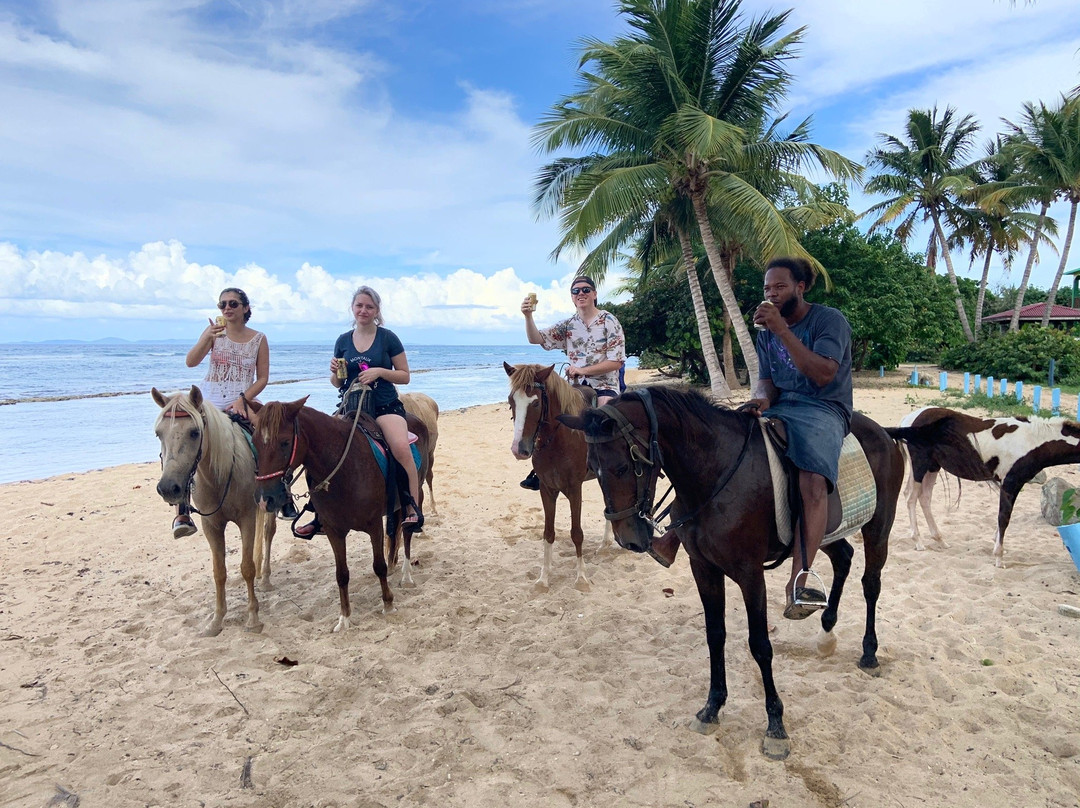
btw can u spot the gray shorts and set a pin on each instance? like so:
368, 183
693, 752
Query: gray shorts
815, 433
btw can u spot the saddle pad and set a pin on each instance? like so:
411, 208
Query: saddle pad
380, 454
855, 485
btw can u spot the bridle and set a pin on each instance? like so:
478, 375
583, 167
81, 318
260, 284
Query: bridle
178, 413
292, 458
643, 507
545, 409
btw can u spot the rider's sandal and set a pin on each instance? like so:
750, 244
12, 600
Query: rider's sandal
806, 602
414, 520
183, 526
306, 532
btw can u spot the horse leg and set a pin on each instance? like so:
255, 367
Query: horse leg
378, 566
406, 567
341, 565
215, 537
924, 501
840, 554
710, 586
775, 743
913, 494
1005, 508
547, 497
577, 536
248, 537
269, 530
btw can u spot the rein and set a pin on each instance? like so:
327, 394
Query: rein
365, 391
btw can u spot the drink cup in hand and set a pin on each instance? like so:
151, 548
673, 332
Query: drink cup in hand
762, 326
220, 321
532, 300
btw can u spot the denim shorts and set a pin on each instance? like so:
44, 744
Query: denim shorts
815, 433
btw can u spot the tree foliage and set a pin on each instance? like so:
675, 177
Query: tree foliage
1020, 355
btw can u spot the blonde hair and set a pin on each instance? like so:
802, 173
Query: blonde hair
367, 290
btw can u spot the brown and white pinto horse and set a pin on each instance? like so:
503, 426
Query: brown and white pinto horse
288, 435
537, 397
716, 460
201, 443
1006, 451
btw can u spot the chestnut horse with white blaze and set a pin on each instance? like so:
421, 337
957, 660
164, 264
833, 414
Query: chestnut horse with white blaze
201, 444
537, 397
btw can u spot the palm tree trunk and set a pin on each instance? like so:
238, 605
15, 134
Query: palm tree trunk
1014, 323
723, 283
1061, 266
717, 383
952, 279
982, 290
729, 353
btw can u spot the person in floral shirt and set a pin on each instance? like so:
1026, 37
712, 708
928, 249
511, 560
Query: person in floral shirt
593, 341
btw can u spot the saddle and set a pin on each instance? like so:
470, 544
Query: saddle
851, 503
587, 393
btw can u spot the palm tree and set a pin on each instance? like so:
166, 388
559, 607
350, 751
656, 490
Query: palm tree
925, 174
995, 224
1052, 153
675, 101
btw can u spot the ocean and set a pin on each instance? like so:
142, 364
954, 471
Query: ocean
71, 407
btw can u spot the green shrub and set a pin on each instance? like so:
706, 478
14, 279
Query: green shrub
1023, 355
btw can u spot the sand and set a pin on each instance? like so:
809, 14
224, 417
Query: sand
481, 690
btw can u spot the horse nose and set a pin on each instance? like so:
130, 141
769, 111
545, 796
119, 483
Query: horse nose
168, 490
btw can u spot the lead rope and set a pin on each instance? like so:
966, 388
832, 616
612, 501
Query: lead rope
364, 391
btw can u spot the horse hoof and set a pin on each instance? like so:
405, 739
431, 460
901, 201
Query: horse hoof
266, 586
211, 630
582, 585
702, 728
775, 748
541, 586
871, 668
342, 624
254, 629
388, 608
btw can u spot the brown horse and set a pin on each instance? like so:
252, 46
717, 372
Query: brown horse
201, 443
537, 397
288, 435
716, 460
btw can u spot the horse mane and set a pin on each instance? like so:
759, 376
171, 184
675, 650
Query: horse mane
221, 440
271, 417
569, 400
690, 402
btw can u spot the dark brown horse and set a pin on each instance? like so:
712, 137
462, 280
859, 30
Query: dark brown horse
288, 435
537, 397
716, 460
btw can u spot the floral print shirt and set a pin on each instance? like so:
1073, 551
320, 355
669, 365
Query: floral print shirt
588, 343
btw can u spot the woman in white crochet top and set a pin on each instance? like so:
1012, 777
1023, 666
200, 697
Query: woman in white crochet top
239, 368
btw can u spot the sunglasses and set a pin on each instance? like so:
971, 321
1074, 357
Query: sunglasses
581, 290
231, 304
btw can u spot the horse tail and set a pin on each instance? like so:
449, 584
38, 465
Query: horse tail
260, 538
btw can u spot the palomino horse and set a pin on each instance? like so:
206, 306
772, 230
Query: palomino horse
424, 407
201, 443
354, 497
716, 460
537, 397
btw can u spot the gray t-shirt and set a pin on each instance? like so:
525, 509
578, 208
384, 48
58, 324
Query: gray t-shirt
826, 332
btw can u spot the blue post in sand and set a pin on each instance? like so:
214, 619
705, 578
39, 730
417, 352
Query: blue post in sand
1004, 386
1019, 391
943, 381
978, 383
1036, 397
1055, 402
914, 375
990, 386
1050, 377
967, 383
881, 372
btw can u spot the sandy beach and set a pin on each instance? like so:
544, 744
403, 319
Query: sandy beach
481, 690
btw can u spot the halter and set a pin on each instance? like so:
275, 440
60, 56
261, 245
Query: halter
292, 458
646, 488
175, 413
544, 410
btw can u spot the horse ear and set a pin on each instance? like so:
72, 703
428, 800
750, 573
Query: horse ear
541, 375
196, 397
294, 407
508, 368
159, 399
571, 421
254, 405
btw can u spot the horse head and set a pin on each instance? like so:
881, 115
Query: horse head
625, 466
279, 449
529, 404
179, 427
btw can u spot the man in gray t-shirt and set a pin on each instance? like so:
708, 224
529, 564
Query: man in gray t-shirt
804, 354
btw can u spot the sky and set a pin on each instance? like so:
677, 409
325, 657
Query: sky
153, 152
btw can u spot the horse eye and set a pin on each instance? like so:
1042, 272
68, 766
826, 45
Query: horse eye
194, 434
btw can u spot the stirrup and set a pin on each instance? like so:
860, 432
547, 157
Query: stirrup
805, 575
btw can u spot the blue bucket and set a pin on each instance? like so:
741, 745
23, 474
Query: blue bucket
1070, 537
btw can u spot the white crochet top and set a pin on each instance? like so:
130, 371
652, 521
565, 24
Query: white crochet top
232, 369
